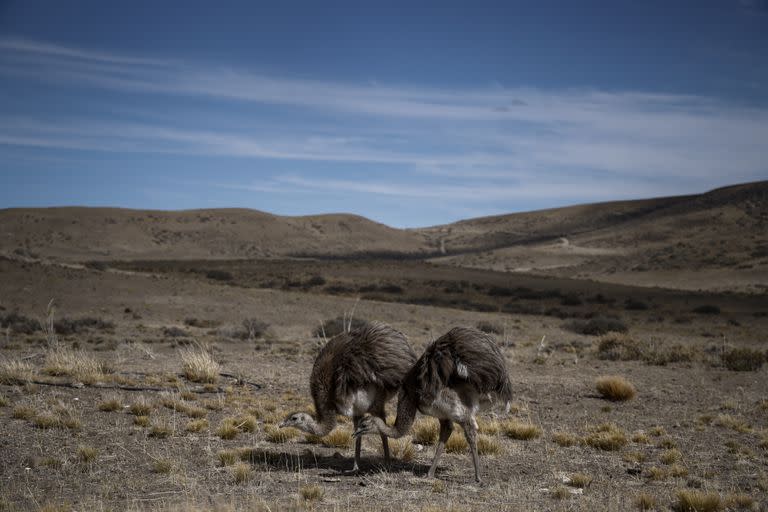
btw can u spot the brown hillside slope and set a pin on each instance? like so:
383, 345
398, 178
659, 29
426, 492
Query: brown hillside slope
716, 240
77, 234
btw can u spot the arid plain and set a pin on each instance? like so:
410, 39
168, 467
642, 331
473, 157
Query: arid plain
146, 357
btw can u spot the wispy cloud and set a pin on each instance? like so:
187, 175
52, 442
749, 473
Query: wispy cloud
472, 144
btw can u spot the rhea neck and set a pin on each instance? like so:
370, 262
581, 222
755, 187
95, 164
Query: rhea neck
321, 425
406, 414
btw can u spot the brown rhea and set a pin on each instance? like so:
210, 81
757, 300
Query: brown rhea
355, 373
460, 373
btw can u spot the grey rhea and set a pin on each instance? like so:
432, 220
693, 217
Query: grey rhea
355, 373
460, 373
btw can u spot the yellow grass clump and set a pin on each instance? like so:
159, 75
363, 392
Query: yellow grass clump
564, 439
196, 425
274, 434
646, 502
691, 500
13, 371
670, 456
110, 404
607, 437
338, 438
141, 421
160, 431
400, 449
520, 430
487, 445
732, 422
490, 427
615, 388
162, 466
141, 407
311, 492
456, 443
426, 431
579, 480
228, 457
73, 363
241, 472
198, 365
87, 454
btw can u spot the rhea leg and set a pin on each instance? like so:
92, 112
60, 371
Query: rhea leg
446, 426
358, 444
382, 413
470, 432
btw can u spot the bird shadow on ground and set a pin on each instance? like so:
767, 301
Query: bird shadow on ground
340, 465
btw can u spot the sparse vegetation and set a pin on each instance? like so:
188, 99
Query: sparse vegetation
487, 445
73, 363
197, 425
618, 346
426, 431
646, 502
198, 365
160, 431
456, 443
615, 388
13, 371
400, 449
691, 500
162, 466
490, 327
280, 435
565, 439
241, 472
670, 456
519, 430
311, 492
87, 454
111, 404
141, 407
607, 436
707, 309
338, 325
580, 480
743, 359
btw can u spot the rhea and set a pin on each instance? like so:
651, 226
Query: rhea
459, 374
355, 373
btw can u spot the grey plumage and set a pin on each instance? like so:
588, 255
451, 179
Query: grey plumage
457, 374
355, 373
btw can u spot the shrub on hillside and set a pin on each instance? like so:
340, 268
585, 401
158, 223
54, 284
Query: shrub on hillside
219, 275
743, 359
338, 325
596, 326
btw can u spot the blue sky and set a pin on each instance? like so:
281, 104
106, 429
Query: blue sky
411, 116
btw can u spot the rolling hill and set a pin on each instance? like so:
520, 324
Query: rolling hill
716, 240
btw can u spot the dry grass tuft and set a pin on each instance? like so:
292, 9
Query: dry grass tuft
227, 429
490, 427
619, 346
456, 443
426, 431
580, 480
607, 437
241, 472
77, 364
646, 502
732, 422
311, 492
196, 425
87, 454
3, 401
634, 457
560, 492
163, 466
565, 439
228, 457
523, 431
280, 435
400, 449
678, 471
690, 500
667, 443
487, 445
615, 388
640, 438
141, 421
741, 502
111, 404
23, 412
160, 431
670, 456
141, 407
198, 365
13, 371
338, 438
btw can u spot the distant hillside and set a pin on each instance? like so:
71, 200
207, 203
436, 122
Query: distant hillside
78, 234
715, 240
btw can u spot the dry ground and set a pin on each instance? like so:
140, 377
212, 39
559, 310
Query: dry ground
693, 425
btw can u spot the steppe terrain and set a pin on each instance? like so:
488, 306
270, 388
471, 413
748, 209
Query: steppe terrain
146, 357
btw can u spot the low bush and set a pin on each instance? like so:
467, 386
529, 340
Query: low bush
338, 325
743, 359
596, 326
219, 275
707, 309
